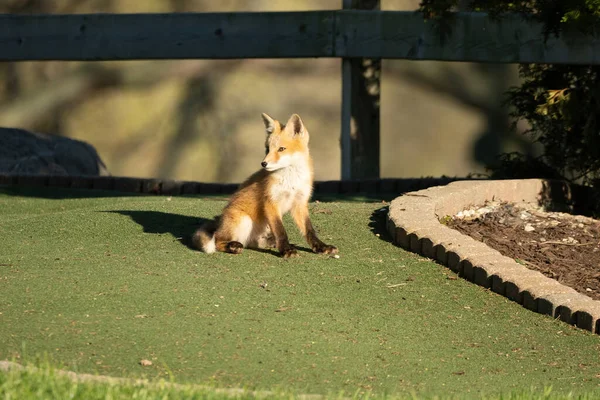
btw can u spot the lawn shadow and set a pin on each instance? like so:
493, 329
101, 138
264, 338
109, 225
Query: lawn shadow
274, 252
378, 222
181, 227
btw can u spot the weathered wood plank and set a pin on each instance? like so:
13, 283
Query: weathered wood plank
165, 36
472, 37
360, 109
346, 112
346, 123
340, 33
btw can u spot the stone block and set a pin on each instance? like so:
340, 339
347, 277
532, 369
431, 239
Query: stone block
81, 182
128, 185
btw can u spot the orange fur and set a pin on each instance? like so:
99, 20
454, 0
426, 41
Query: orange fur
253, 216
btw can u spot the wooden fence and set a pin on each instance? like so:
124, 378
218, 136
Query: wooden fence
354, 35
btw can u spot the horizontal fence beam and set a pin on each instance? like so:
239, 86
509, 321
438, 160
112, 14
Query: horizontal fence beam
165, 36
341, 33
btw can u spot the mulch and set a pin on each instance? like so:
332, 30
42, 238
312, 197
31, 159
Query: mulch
562, 246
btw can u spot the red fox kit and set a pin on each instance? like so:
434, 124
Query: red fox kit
284, 184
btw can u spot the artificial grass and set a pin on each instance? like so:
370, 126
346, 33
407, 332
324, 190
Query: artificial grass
100, 283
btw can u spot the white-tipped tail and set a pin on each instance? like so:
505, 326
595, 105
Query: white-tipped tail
210, 246
204, 238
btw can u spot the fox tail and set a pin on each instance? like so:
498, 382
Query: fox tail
204, 237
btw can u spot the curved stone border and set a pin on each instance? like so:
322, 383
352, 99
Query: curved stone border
414, 223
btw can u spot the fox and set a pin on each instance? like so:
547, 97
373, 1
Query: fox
253, 216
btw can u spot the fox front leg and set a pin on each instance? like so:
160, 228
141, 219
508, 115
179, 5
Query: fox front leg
302, 219
281, 238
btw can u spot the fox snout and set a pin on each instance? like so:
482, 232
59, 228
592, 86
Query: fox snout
272, 162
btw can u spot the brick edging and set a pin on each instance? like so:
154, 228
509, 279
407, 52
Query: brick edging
176, 187
414, 223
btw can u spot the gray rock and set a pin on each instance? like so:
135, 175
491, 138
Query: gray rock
24, 152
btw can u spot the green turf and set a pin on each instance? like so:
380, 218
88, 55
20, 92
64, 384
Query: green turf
100, 283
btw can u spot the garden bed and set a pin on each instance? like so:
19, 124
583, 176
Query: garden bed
562, 246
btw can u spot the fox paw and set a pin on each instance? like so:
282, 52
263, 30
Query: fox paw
323, 248
289, 252
234, 247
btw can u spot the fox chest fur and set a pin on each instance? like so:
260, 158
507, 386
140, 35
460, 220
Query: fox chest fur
290, 185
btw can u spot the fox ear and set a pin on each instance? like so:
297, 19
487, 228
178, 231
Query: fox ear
295, 126
269, 123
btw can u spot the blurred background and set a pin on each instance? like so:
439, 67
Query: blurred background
200, 119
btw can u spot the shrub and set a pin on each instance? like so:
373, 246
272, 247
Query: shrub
561, 103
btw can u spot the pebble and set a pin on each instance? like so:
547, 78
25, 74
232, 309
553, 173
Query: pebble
524, 215
570, 240
529, 228
472, 214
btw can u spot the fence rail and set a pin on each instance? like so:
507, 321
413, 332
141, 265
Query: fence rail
347, 33
341, 33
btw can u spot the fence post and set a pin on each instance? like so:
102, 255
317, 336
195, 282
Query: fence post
360, 109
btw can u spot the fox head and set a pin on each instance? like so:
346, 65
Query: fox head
286, 144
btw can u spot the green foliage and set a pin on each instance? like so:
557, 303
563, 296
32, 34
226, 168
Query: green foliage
556, 15
561, 103
445, 219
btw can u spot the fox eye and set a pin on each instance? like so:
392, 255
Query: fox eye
281, 149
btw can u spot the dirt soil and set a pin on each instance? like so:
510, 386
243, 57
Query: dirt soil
562, 246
